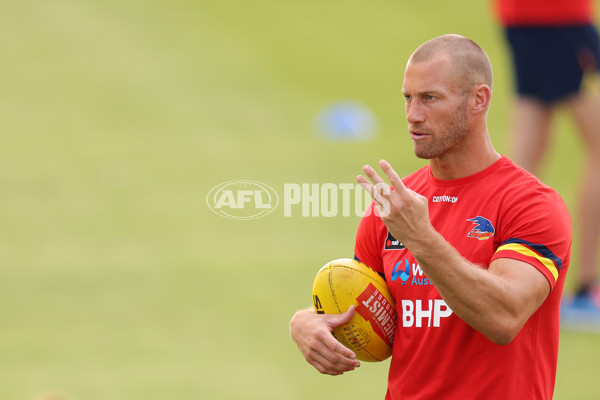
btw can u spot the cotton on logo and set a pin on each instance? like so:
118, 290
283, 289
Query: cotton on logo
413, 313
242, 199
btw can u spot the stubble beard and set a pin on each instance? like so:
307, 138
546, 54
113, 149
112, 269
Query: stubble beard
441, 142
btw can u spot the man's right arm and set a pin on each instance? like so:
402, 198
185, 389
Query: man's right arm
312, 334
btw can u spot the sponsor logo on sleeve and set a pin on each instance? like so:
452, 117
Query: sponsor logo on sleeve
391, 243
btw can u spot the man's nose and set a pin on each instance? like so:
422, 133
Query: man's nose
414, 113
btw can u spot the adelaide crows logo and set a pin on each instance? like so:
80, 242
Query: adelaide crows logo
483, 229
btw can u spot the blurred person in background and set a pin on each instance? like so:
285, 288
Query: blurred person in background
556, 59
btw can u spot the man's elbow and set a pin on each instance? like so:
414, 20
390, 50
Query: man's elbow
503, 332
501, 338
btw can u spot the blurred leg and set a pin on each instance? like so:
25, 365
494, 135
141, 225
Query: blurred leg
530, 132
586, 110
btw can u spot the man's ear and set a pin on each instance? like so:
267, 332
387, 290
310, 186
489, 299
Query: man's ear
482, 96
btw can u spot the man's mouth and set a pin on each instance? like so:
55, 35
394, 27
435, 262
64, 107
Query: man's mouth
416, 135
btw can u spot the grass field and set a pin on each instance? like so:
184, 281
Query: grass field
118, 117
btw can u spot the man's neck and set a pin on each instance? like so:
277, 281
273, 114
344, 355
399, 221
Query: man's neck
456, 165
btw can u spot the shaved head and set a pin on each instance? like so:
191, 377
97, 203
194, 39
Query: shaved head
470, 64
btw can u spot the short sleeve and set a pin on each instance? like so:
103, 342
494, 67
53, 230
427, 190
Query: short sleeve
536, 229
368, 244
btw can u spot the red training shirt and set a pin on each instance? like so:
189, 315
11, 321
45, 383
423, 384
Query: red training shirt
502, 211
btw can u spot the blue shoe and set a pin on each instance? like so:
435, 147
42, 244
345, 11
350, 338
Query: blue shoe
581, 313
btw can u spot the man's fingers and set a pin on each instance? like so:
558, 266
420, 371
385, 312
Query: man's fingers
346, 355
364, 183
330, 356
393, 177
373, 175
337, 353
377, 191
334, 321
326, 366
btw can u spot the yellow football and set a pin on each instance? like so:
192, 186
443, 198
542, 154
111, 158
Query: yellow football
343, 282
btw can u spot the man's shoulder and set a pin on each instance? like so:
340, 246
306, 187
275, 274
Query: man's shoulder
524, 192
516, 180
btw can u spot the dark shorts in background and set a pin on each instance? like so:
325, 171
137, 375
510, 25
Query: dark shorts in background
549, 62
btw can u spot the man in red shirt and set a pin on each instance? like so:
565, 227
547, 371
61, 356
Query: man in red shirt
479, 253
556, 57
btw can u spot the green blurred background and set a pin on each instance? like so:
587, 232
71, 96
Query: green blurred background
118, 117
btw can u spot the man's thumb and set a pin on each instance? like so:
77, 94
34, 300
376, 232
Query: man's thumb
336, 320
